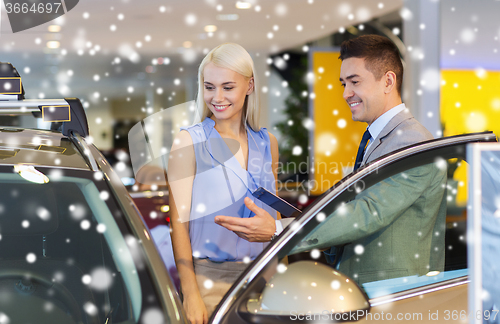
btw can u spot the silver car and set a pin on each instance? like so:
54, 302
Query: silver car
303, 288
73, 246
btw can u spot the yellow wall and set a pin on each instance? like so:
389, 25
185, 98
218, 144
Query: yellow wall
336, 135
470, 101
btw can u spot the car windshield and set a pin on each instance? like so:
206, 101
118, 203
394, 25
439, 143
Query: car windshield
66, 252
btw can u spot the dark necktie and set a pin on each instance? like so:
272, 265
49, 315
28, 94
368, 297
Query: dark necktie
334, 255
361, 149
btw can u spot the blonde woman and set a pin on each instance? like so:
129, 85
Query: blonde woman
214, 166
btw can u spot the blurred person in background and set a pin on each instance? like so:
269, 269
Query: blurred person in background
152, 178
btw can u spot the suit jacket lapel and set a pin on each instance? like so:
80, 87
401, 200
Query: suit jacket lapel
393, 123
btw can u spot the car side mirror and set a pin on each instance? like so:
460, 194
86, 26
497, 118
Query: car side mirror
308, 291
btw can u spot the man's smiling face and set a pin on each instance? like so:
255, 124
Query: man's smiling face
364, 94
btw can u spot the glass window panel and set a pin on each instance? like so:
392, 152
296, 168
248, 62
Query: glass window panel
403, 231
66, 252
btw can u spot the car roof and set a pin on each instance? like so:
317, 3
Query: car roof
39, 147
64, 148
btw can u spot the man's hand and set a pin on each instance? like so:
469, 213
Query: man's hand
259, 228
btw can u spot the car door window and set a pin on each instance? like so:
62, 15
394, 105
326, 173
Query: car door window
454, 244
397, 232
395, 179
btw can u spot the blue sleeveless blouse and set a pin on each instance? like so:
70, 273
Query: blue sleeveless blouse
219, 188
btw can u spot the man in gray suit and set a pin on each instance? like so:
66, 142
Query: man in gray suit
395, 227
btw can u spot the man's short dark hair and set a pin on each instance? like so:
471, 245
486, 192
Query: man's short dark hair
380, 55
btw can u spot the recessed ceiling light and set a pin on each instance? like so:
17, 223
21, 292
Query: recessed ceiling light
210, 28
228, 17
53, 44
54, 28
187, 44
243, 5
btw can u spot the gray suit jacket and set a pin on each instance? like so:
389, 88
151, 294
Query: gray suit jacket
396, 227
402, 130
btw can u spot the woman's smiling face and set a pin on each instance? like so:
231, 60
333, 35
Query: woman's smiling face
225, 92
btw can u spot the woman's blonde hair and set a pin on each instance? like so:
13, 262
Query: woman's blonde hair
233, 57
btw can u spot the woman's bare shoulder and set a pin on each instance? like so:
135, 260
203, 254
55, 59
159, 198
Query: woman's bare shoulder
273, 140
182, 139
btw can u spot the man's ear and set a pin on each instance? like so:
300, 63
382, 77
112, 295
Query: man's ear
250, 86
390, 81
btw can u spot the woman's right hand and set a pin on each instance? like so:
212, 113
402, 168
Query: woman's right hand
195, 310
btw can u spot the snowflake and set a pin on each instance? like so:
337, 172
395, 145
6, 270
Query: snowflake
359, 249
335, 284
320, 217
101, 279
152, 316
281, 268
315, 254
31, 257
